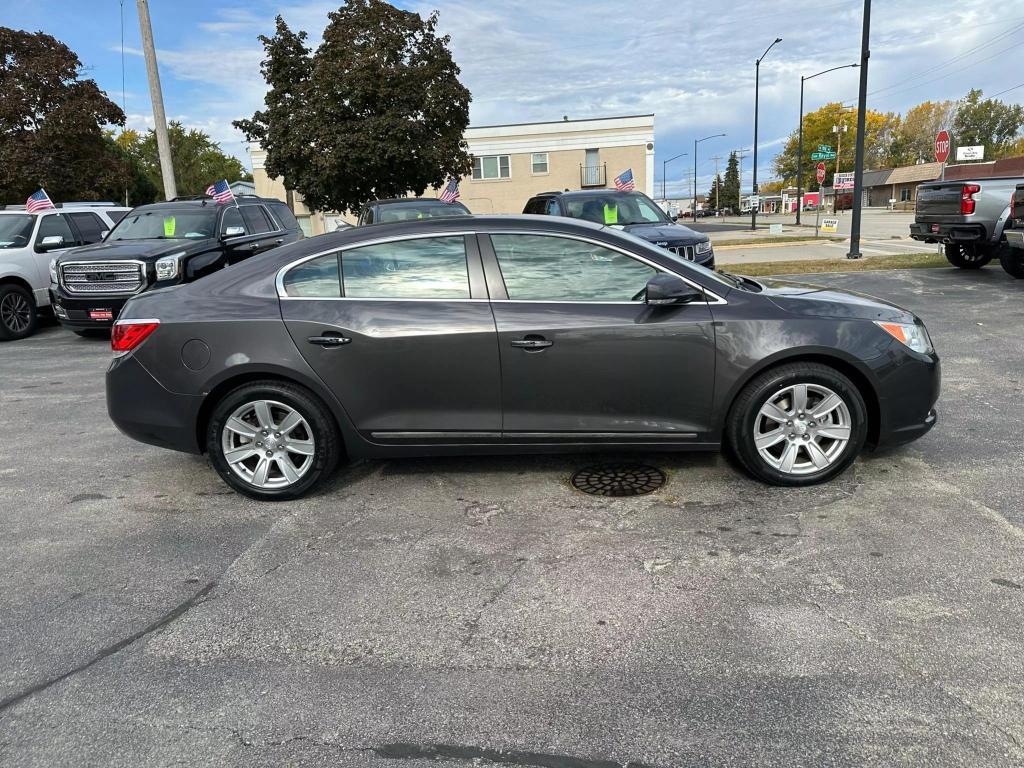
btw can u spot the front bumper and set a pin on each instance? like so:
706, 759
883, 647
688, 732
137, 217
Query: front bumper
81, 312
146, 411
940, 232
909, 387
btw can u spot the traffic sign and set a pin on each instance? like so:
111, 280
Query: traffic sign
942, 146
824, 148
823, 155
821, 172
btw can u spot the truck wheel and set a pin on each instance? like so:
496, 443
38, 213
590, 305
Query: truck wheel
967, 256
1012, 260
18, 316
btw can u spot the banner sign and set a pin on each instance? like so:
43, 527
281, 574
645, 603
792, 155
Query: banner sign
843, 180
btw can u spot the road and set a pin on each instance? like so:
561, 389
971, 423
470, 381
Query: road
481, 611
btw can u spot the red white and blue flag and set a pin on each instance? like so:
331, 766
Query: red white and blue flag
624, 181
221, 192
451, 192
38, 201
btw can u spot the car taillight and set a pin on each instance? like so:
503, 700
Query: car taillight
129, 334
967, 198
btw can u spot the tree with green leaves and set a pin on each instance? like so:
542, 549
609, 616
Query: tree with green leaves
52, 123
731, 184
715, 194
377, 110
198, 159
913, 138
988, 122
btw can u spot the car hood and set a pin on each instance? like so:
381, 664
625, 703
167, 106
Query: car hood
141, 250
666, 233
818, 301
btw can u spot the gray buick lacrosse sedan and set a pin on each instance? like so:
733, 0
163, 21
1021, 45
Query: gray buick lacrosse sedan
510, 335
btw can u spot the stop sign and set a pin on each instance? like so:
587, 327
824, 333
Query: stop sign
821, 172
942, 146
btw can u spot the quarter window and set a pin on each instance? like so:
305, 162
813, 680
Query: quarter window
491, 167
539, 162
546, 268
315, 279
284, 216
425, 268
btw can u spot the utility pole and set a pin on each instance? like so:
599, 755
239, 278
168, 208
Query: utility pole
740, 154
163, 144
858, 167
717, 186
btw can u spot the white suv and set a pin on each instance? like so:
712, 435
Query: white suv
28, 241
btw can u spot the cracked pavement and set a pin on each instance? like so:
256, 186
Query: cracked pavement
480, 611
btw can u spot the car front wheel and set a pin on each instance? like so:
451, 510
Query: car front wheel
18, 317
272, 440
1012, 261
798, 424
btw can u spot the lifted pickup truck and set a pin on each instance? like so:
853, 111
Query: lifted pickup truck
968, 217
1012, 258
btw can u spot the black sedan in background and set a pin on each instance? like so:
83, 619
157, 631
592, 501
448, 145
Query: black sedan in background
632, 212
509, 335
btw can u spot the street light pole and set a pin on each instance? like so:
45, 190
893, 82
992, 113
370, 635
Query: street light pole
757, 90
695, 143
858, 167
664, 165
800, 140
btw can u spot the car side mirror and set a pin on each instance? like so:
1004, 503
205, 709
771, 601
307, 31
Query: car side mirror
233, 232
51, 242
663, 289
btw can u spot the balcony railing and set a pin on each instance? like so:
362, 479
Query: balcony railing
593, 175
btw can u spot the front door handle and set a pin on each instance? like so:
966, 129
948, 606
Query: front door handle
532, 343
279, 241
328, 341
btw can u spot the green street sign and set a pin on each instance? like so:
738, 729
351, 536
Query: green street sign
823, 155
824, 148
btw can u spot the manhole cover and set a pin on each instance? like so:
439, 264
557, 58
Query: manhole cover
618, 479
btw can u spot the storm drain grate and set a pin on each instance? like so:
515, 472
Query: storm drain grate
618, 479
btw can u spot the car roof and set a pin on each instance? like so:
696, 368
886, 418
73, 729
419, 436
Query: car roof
409, 200
584, 192
66, 209
203, 202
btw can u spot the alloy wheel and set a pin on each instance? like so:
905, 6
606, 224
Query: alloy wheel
802, 429
268, 444
15, 312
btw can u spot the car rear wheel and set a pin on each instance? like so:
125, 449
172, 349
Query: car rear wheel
967, 255
1012, 261
18, 317
798, 424
271, 440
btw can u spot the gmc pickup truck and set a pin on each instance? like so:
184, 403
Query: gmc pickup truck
1012, 258
968, 217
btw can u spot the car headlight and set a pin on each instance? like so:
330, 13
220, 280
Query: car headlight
704, 247
168, 267
53, 270
913, 335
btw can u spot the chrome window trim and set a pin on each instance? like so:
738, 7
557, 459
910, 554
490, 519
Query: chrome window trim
713, 298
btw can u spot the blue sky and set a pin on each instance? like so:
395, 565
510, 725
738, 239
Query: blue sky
691, 64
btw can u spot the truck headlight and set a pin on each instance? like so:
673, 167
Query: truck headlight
167, 267
913, 335
53, 270
704, 247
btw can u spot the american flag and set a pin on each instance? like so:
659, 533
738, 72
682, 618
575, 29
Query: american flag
38, 201
451, 192
624, 181
220, 191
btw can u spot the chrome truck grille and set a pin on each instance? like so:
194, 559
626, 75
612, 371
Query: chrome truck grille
106, 277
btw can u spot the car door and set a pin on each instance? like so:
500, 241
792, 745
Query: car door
263, 229
401, 330
582, 354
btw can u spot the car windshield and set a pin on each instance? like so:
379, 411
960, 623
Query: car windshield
615, 208
16, 230
166, 225
419, 210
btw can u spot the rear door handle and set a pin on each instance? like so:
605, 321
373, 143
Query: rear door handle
538, 343
279, 241
329, 341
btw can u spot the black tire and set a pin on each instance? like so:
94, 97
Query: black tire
1012, 260
968, 255
18, 314
324, 433
744, 416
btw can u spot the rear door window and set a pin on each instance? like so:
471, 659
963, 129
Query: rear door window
90, 226
256, 221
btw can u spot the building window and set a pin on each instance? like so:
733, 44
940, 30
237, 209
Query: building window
905, 195
491, 167
539, 163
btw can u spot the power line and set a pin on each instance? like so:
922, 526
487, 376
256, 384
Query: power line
1020, 85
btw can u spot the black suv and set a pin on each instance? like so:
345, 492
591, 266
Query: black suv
633, 212
407, 208
159, 245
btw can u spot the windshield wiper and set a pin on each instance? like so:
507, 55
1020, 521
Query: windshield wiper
740, 280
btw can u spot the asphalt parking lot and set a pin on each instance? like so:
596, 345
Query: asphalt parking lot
477, 611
